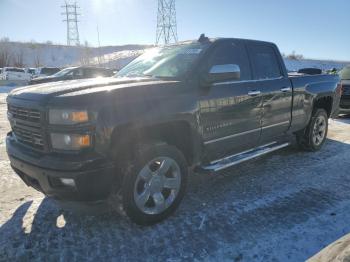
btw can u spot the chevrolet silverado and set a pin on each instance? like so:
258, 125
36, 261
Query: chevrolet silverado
202, 105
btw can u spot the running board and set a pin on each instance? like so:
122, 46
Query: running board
232, 160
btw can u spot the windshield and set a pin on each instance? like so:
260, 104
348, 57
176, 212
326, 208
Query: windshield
63, 72
171, 61
345, 73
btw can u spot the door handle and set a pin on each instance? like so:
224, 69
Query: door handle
286, 89
254, 93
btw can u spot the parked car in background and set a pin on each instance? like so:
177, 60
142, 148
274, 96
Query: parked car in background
15, 74
205, 105
345, 98
46, 71
72, 73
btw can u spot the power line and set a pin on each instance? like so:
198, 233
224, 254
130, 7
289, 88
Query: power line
71, 18
166, 22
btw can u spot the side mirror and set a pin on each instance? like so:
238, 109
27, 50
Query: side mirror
226, 72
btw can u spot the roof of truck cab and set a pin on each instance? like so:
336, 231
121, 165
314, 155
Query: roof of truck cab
243, 40
220, 39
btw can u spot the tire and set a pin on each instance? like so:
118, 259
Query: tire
314, 135
154, 183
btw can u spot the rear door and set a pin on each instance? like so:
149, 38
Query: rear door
275, 89
229, 116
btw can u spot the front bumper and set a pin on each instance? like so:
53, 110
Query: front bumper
93, 176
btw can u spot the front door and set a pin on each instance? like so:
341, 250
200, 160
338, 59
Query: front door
229, 116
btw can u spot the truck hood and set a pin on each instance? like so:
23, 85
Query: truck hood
44, 92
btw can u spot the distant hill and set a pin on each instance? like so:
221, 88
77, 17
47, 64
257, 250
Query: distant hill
39, 54
295, 65
47, 54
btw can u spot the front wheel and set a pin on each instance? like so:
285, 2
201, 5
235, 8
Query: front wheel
154, 184
315, 134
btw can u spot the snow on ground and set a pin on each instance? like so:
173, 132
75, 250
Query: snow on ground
283, 207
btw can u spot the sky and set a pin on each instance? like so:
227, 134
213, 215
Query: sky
313, 28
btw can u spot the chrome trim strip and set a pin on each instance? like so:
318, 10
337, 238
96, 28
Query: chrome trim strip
231, 136
278, 124
244, 133
254, 93
246, 81
286, 89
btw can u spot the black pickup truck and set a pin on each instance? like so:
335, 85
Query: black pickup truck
202, 105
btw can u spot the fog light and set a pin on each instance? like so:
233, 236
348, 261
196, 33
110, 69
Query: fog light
68, 182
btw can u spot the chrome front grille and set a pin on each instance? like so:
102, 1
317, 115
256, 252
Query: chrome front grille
31, 115
26, 125
29, 137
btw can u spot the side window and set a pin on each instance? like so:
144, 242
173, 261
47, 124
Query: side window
78, 72
231, 53
88, 72
93, 72
264, 61
106, 73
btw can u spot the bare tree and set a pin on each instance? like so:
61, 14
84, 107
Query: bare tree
295, 56
85, 54
53, 57
5, 57
5, 39
18, 59
37, 60
5, 52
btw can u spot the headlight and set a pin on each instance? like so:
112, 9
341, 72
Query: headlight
67, 117
70, 141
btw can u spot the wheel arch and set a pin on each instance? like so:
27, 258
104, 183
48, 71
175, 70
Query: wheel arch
124, 139
325, 102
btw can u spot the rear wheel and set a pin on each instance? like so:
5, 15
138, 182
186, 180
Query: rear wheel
314, 135
154, 184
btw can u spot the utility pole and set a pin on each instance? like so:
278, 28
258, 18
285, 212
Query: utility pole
166, 22
99, 47
71, 18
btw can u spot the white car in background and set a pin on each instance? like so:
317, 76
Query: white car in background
15, 74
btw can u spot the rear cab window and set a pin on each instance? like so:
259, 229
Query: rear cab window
231, 52
96, 72
49, 71
265, 64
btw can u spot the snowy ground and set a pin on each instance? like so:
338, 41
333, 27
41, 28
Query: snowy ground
284, 207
